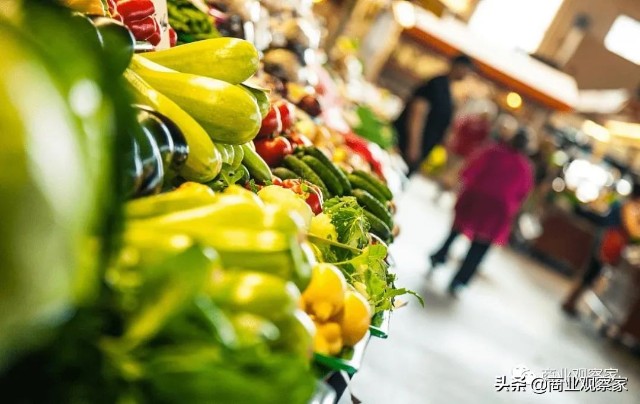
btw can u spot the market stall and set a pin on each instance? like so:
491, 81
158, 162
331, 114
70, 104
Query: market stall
206, 230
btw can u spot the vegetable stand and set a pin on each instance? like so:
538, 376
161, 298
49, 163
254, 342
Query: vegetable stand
200, 235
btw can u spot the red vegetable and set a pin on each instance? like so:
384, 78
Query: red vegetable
112, 8
361, 146
173, 37
273, 150
143, 29
156, 37
308, 191
135, 10
310, 105
287, 110
271, 123
299, 140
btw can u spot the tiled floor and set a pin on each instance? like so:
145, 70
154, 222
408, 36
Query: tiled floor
452, 350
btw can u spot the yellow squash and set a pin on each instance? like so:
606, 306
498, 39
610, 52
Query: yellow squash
203, 162
228, 113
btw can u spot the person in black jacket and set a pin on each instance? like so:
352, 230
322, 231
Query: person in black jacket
428, 113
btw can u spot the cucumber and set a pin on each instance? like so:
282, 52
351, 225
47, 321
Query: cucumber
339, 174
325, 175
304, 171
285, 174
374, 206
380, 186
378, 227
360, 183
237, 156
227, 59
258, 169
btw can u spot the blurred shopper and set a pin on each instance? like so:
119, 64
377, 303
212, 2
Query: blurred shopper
428, 113
620, 225
495, 182
470, 133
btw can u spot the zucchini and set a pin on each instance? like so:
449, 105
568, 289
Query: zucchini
224, 154
238, 155
228, 59
203, 161
258, 169
261, 98
228, 113
332, 183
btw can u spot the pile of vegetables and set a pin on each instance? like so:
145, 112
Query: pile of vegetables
173, 265
190, 23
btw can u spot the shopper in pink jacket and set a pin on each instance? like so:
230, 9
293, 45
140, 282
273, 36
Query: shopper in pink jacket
495, 183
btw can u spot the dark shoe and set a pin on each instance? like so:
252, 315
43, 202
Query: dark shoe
437, 259
454, 289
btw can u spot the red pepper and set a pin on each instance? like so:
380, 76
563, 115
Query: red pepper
307, 191
143, 29
361, 146
112, 8
173, 37
156, 37
135, 10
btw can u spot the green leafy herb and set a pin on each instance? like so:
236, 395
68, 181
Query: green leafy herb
350, 222
371, 270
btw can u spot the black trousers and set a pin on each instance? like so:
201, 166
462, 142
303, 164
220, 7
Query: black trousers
469, 267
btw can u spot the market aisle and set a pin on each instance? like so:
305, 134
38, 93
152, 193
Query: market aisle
452, 350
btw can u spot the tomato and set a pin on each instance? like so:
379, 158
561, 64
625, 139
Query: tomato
276, 181
308, 191
273, 150
298, 139
272, 123
287, 111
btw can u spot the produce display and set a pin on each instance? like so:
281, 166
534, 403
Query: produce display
206, 243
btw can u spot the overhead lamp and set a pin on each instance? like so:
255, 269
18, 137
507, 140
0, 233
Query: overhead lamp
404, 13
514, 101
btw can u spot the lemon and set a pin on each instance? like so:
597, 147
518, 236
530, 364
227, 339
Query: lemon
355, 318
324, 296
